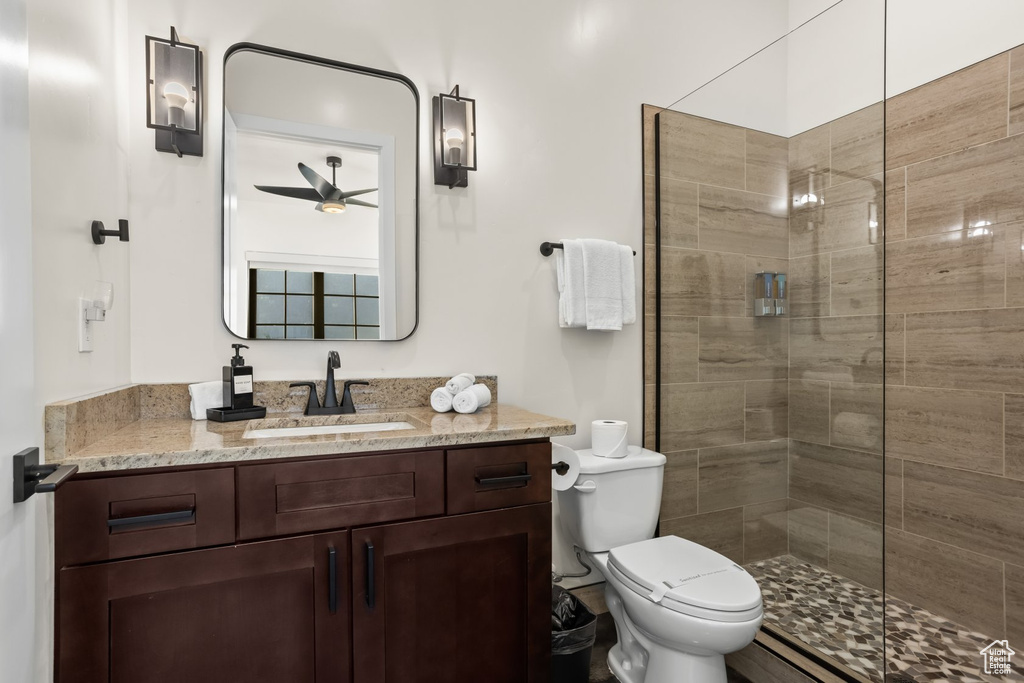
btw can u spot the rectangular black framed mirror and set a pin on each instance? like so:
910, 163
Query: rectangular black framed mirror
320, 198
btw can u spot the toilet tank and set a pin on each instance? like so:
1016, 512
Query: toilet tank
615, 501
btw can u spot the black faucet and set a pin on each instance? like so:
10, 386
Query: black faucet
330, 406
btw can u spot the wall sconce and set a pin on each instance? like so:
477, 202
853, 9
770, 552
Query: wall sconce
174, 94
454, 139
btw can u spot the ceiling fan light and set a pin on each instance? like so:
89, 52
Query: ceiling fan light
333, 206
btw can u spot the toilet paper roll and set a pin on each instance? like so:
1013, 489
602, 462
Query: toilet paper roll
564, 454
608, 438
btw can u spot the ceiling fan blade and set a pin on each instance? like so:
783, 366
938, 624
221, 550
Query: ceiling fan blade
356, 202
307, 193
346, 195
324, 188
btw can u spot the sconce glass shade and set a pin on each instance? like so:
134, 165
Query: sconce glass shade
174, 94
458, 128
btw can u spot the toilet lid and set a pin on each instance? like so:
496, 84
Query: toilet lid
680, 574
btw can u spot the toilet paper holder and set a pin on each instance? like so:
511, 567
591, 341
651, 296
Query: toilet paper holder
561, 467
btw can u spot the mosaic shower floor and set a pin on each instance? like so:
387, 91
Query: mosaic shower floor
843, 619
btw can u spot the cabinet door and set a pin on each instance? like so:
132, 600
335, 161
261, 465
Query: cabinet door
454, 599
256, 612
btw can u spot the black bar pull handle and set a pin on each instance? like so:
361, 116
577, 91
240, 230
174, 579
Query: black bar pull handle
332, 573
159, 518
371, 588
495, 481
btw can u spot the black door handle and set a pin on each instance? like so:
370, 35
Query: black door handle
371, 588
332, 572
176, 516
494, 481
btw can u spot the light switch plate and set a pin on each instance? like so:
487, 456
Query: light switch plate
84, 327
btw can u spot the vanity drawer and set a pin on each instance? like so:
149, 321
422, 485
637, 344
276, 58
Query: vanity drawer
117, 517
498, 477
291, 498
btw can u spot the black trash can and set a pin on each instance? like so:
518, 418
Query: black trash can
573, 631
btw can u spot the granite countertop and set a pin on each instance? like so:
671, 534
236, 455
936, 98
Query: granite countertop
171, 442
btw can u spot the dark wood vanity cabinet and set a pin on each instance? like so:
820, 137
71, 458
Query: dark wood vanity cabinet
368, 568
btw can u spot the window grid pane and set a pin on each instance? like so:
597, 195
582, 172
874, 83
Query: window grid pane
285, 305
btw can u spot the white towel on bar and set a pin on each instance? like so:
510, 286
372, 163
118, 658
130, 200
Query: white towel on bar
628, 286
205, 395
602, 284
572, 303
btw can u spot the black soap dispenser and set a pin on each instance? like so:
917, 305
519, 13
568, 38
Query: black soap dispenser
238, 392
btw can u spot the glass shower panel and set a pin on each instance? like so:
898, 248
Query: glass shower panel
767, 322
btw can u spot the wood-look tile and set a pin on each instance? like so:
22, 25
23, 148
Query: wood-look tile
767, 163
843, 222
678, 212
809, 153
760, 264
702, 283
809, 286
957, 191
895, 341
702, 151
650, 413
847, 349
678, 349
895, 204
767, 410
1016, 123
701, 415
650, 344
679, 490
743, 349
742, 474
808, 533
839, 480
858, 144
855, 549
1014, 603
743, 222
949, 427
952, 271
648, 113
856, 416
967, 349
765, 530
965, 108
894, 492
721, 531
650, 277
978, 512
956, 584
809, 411
858, 281
1013, 241
1013, 410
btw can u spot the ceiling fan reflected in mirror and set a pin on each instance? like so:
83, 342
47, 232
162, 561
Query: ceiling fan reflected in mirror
328, 197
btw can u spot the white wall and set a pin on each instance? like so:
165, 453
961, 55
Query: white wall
23, 549
79, 173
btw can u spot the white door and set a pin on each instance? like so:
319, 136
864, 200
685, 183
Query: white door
24, 644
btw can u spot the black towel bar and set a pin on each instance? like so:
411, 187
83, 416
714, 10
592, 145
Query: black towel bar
548, 248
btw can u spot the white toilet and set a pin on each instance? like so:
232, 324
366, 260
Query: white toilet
678, 606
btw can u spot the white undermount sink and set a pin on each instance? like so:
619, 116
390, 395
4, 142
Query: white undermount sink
266, 429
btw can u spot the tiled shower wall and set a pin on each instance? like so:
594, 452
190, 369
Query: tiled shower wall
954, 336
724, 372
955, 382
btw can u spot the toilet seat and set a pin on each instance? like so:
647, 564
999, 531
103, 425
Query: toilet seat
688, 578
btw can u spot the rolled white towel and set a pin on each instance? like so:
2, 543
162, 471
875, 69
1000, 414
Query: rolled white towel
205, 395
460, 382
441, 400
472, 399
